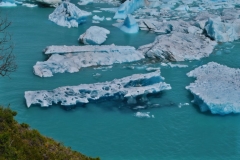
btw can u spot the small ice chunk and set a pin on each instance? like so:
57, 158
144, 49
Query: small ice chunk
97, 18
96, 11
142, 114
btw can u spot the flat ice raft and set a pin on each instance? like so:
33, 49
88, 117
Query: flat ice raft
179, 46
129, 88
72, 58
217, 88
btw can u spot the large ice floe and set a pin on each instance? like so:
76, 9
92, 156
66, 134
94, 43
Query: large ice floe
72, 58
94, 35
178, 46
216, 88
68, 15
130, 88
129, 25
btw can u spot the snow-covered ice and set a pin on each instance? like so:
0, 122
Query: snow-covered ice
94, 35
216, 88
222, 31
178, 46
76, 57
68, 15
130, 88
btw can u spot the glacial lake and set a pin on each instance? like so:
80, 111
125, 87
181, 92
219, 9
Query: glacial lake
110, 129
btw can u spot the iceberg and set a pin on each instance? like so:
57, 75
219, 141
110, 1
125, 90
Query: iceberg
128, 7
94, 35
178, 46
129, 25
221, 31
68, 15
130, 88
72, 58
216, 88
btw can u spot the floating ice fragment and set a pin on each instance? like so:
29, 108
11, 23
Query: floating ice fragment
76, 57
130, 88
142, 114
128, 7
216, 88
178, 47
129, 25
29, 5
94, 35
68, 15
97, 18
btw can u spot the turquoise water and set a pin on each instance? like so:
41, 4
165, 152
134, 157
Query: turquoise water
109, 129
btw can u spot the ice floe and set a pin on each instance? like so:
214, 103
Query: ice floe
178, 46
216, 88
94, 35
68, 15
72, 58
129, 88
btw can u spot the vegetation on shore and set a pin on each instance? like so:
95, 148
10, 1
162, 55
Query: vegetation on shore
18, 141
